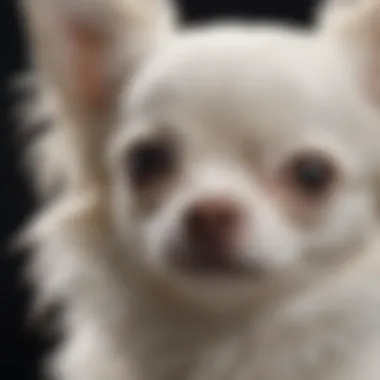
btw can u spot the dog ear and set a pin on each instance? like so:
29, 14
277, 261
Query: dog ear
332, 13
355, 26
85, 51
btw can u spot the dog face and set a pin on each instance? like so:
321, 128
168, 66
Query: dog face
237, 157
245, 158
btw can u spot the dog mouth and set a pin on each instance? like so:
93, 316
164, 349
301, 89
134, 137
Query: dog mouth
211, 262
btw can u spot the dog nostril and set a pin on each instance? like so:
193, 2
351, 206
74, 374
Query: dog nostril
213, 221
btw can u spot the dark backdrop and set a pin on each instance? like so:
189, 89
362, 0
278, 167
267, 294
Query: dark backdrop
21, 347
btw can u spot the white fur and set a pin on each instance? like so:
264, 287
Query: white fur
241, 99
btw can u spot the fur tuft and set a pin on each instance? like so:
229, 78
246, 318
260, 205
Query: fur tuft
35, 112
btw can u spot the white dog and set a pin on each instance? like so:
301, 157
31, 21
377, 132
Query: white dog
218, 210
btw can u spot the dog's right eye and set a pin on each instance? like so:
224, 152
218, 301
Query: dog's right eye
151, 161
311, 174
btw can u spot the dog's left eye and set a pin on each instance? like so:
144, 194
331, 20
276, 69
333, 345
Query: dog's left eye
310, 174
151, 161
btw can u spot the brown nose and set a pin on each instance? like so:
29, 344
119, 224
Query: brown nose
213, 222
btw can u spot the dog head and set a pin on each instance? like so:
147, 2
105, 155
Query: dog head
239, 157
245, 157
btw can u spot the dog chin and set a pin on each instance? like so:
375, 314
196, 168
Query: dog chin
217, 292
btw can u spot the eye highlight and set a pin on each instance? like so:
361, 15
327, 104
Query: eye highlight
151, 161
310, 174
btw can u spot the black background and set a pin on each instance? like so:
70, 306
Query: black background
21, 347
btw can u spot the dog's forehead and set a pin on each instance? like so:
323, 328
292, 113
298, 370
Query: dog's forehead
255, 83
226, 71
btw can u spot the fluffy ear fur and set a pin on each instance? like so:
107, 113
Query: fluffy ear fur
84, 52
355, 24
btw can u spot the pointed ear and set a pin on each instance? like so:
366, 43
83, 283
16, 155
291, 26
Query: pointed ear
84, 52
85, 47
355, 26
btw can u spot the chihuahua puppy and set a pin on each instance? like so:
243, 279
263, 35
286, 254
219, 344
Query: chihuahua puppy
216, 205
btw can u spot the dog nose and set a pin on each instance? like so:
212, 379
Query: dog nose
213, 222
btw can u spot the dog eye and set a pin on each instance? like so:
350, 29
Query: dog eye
151, 161
311, 174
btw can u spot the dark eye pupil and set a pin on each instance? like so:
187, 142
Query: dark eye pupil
150, 161
312, 174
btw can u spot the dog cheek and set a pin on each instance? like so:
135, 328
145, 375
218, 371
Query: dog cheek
273, 242
158, 233
346, 227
